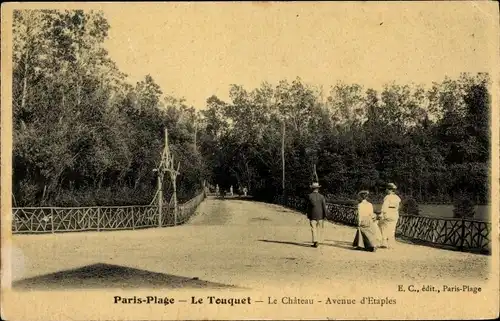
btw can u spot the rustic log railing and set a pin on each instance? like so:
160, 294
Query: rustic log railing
99, 218
456, 233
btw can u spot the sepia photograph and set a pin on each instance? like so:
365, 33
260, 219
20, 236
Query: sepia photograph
250, 160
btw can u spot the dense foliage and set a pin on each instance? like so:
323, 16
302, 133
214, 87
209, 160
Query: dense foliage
433, 143
83, 135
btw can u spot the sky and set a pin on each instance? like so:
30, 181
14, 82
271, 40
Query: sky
195, 50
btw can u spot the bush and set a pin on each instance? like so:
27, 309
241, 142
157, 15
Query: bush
410, 206
344, 202
464, 206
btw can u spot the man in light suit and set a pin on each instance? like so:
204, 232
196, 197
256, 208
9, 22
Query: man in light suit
389, 217
316, 213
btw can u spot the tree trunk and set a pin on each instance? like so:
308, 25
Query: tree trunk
25, 84
195, 133
78, 76
101, 179
248, 175
44, 194
26, 64
78, 93
420, 190
63, 99
283, 156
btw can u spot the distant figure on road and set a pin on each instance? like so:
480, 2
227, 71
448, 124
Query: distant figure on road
316, 213
245, 191
368, 236
389, 217
217, 189
231, 190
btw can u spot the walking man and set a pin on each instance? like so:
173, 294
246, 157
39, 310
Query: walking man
390, 216
316, 213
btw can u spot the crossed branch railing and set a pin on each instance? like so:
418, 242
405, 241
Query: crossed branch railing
99, 218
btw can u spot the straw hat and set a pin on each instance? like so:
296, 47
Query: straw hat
392, 186
363, 193
315, 185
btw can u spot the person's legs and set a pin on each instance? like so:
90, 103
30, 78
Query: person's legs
320, 230
314, 230
391, 233
384, 232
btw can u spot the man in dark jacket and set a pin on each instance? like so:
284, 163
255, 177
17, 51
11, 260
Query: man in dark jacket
316, 213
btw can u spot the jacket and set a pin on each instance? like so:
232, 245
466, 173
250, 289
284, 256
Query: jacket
316, 206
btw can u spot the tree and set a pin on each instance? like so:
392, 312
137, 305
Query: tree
82, 134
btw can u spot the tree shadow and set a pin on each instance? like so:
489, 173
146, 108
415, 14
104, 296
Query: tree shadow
288, 243
101, 275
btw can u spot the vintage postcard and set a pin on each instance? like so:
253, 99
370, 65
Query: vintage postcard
250, 160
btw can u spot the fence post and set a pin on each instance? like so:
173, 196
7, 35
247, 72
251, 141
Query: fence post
434, 229
160, 198
52, 219
98, 218
462, 235
133, 219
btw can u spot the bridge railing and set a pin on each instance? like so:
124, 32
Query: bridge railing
456, 233
30, 220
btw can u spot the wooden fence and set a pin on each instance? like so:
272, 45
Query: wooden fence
99, 218
456, 233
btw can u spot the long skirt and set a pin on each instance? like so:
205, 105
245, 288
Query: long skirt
368, 235
388, 230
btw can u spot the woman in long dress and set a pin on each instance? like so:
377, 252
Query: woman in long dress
390, 216
368, 235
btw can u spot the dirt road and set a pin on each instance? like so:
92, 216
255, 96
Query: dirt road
228, 243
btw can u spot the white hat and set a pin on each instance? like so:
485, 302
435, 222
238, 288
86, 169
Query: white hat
315, 185
392, 186
363, 192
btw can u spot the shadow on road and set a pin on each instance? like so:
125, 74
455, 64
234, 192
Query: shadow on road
340, 244
288, 243
233, 198
259, 219
102, 275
